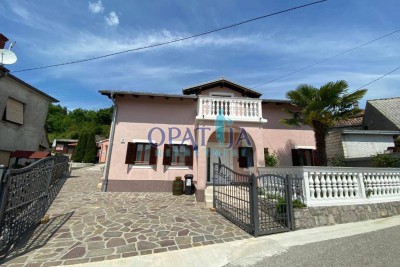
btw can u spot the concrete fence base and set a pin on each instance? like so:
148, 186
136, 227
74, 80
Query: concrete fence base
78, 165
321, 216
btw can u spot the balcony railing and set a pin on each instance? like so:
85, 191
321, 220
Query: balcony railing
233, 108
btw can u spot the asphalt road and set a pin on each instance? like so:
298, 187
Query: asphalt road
378, 248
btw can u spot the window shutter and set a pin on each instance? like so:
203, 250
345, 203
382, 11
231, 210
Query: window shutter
189, 156
131, 153
167, 158
242, 157
296, 157
250, 157
153, 155
14, 111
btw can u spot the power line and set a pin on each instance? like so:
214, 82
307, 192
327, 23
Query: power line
326, 59
172, 41
381, 77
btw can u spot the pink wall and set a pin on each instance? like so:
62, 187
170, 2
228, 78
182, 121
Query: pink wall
136, 117
220, 89
103, 150
280, 138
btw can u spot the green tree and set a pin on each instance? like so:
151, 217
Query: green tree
61, 123
104, 116
321, 108
80, 147
90, 151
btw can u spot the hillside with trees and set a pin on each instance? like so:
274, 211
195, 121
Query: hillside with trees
61, 123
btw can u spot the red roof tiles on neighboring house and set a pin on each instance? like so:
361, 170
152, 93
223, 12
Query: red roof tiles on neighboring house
23, 154
352, 122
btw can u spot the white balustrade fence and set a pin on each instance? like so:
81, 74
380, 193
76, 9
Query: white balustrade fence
234, 108
323, 186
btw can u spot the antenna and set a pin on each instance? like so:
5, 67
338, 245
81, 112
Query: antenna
11, 45
7, 57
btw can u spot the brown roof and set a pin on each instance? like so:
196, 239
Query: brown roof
245, 91
352, 122
24, 154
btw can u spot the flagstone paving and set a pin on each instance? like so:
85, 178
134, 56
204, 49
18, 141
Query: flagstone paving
87, 225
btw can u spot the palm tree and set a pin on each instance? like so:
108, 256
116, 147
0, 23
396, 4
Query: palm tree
321, 109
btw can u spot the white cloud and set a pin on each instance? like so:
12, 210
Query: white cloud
112, 19
96, 7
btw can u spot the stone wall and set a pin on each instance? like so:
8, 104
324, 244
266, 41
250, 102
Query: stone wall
311, 217
334, 146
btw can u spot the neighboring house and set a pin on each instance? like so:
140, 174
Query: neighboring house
102, 148
214, 122
64, 146
23, 114
373, 132
382, 114
23, 158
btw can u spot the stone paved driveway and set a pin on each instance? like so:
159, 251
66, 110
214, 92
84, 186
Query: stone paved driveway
87, 225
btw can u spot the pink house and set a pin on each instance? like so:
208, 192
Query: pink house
102, 147
156, 137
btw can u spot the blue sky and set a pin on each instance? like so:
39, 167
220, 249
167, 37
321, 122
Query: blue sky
50, 32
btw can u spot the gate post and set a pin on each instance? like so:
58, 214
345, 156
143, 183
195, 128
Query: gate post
253, 199
289, 205
214, 177
3, 172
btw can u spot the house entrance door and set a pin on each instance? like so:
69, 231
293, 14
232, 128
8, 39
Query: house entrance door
218, 154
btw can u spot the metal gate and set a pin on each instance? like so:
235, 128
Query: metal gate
25, 196
259, 205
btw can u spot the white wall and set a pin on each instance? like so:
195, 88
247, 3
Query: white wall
365, 145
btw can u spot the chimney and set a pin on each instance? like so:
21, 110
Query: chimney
3, 41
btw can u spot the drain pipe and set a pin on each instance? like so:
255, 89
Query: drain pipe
110, 146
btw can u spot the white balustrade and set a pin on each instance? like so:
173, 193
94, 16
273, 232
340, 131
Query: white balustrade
326, 186
234, 108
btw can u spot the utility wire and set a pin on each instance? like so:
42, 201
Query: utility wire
326, 59
172, 41
381, 77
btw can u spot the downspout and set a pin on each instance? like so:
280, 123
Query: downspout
110, 146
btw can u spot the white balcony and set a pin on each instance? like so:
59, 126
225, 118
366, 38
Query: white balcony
233, 108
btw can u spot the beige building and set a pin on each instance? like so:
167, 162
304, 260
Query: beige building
23, 110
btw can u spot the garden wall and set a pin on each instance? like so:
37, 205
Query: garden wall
321, 216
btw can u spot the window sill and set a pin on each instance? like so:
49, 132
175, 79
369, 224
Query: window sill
133, 166
178, 168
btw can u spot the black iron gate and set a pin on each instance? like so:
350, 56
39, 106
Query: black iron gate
260, 205
25, 196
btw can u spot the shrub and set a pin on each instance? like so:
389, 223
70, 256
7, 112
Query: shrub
297, 204
90, 150
80, 148
385, 160
261, 191
337, 161
271, 159
281, 205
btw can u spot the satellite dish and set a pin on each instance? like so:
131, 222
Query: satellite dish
7, 57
